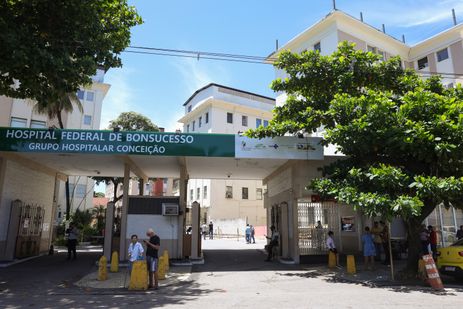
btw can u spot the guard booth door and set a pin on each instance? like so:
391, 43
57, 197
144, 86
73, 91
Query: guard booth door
29, 230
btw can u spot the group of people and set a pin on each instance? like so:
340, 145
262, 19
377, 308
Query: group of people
136, 252
207, 230
250, 234
428, 239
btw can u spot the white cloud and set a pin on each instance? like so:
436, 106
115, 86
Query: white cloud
172, 123
196, 74
120, 95
415, 13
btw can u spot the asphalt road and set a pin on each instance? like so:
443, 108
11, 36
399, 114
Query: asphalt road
234, 276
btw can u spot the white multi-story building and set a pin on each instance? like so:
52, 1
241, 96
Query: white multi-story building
295, 211
229, 204
20, 113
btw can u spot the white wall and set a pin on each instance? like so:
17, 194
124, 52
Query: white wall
31, 187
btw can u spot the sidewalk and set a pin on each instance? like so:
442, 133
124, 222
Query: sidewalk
121, 279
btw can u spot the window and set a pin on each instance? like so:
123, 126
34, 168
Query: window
191, 194
265, 123
244, 193
382, 54
228, 192
318, 47
38, 124
18, 122
371, 49
442, 55
80, 94
229, 117
423, 63
187, 128
90, 96
244, 121
207, 118
198, 193
87, 120
258, 122
194, 123
189, 108
205, 192
258, 193
77, 191
200, 120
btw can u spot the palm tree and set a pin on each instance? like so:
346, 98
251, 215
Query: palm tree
54, 109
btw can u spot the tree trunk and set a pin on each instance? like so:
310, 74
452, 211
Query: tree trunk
60, 120
413, 227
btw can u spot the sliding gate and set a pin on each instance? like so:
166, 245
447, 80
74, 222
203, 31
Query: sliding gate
313, 234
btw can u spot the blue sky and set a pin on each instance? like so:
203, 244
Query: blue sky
157, 86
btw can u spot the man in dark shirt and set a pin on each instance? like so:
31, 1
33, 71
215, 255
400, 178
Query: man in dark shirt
152, 247
211, 230
460, 233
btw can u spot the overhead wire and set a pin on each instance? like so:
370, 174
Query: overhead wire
169, 52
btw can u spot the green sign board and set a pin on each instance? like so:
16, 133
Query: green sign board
109, 142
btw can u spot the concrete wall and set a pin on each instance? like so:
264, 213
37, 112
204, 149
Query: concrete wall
29, 186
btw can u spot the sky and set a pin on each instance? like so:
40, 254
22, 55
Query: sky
157, 86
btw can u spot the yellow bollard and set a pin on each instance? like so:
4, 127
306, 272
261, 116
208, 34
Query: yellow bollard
102, 270
351, 265
114, 262
331, 260
166, 257
162, 268
139, 276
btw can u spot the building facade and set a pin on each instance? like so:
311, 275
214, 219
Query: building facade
40, 189
295, 210
229, 204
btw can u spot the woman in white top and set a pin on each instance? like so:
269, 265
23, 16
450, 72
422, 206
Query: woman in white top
135, 250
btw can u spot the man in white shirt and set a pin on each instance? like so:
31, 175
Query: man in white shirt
332, 247
135, 251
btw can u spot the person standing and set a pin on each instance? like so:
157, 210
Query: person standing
247, 232
385, 239
253, 233
135, 251
211, 230
433, 240
332, 247
204, 230
460, 233
424, 239
376, 230
152, 247
369, 250
319, 235
72, 234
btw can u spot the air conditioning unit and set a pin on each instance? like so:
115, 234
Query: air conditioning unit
170, 209
228, 195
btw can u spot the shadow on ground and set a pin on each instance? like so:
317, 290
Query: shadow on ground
180, 294
395, 286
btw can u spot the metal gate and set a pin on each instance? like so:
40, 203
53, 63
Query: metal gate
29, 231
312, 236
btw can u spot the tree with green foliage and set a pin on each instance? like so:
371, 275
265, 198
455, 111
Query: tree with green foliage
132, 121
50, 48
402, 136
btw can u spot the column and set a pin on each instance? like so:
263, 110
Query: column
124, 208
195, 207
108, 230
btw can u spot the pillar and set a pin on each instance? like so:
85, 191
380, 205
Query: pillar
195, 250
108, 230
284, 230
182, 217
125, 206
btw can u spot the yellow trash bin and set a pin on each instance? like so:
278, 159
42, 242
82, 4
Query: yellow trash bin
351, 264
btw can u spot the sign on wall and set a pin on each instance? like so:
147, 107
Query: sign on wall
282, 147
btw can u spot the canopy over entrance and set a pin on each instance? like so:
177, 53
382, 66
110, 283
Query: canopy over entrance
155, 154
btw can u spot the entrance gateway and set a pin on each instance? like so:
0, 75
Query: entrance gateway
58, 153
